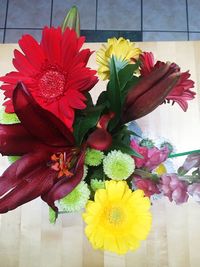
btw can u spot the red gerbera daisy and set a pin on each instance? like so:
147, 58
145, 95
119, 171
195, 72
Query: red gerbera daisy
53, 71
181, 93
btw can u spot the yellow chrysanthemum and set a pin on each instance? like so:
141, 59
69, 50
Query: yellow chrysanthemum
123, 50
118, 218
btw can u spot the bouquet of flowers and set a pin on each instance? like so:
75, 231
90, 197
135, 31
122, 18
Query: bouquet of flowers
77, 154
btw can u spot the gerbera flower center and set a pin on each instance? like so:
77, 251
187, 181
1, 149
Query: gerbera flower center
51, 84
115, 215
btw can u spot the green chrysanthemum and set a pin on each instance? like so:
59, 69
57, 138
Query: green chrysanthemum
147, 143
85, 171
52, 215
77, 199
12, 159
118, 165
97, 184
8, 118
93, 157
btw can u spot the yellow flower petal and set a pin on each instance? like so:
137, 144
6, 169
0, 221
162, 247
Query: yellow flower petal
118, 219
123, 50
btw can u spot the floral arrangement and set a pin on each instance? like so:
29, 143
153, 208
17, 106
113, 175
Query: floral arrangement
77, 154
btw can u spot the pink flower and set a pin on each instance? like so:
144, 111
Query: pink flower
173, 188
156, 157
181, 93
147, 63
194, 191
139, 162
152, 157
148, 186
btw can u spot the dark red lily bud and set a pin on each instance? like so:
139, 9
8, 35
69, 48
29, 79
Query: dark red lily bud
100, 139
150, 92
104, 120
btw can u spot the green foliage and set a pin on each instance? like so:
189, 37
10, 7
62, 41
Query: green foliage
121, 141
121, 80
86, 119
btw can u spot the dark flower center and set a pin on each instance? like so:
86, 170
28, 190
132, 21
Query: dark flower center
51, 84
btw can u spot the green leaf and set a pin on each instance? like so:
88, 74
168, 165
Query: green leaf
125, 149
126, 74
132, 82
103, 98
84, 123
114, 94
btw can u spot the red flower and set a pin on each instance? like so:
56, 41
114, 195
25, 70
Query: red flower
181, 93
47, 150
53, 71
148, 186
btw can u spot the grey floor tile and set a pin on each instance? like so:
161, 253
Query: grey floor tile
28, 14
12, 36
193, 15
87, 9
1, 36
194, 36
164, 36
162, 15
3, 4
119, 15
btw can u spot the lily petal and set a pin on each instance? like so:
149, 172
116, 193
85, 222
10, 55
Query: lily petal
39, 122
65, 185
37, 182
15, 140
20, 169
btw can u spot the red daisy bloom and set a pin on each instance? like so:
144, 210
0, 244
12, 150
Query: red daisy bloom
53, 71
47, 151
181, 93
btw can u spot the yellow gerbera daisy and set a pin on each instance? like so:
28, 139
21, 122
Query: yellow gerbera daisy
123, 50
118, 218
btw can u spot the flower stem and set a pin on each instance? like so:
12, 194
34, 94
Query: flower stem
184, 153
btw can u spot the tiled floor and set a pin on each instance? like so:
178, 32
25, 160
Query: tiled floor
148, 20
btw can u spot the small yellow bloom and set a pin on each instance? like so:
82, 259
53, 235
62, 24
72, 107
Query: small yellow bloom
123, 50
118, 219
161, 169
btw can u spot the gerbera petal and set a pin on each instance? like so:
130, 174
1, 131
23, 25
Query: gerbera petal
38, 182
65, 185
21, 168
21, 63
43, 124
32, 51
14, 77
51, 44
8, 106
16, 140
68, 48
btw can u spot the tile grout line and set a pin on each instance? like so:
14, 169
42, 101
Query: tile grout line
96, 14
142, 18
187, 20
4, 33
163, 31
51, 14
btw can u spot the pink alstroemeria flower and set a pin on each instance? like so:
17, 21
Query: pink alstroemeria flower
173, 188
152, 157
181, 93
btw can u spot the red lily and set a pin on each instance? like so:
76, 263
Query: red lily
42, 140
182, 92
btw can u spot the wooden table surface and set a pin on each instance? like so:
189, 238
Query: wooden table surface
28, 240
